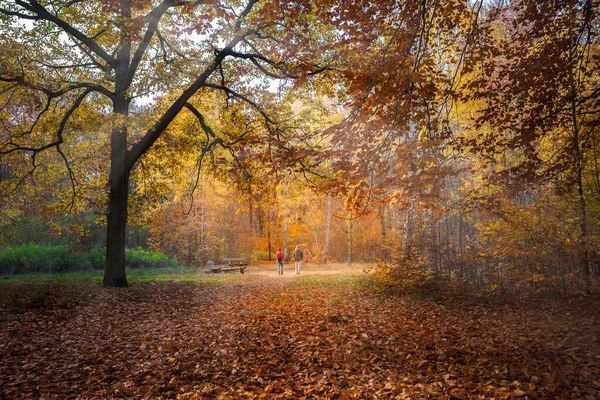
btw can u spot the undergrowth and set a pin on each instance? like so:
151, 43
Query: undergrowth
34, 258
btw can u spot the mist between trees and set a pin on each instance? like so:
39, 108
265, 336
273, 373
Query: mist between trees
455, 142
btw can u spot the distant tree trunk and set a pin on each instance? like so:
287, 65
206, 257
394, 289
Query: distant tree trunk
260, 221
596, 169
316, 246
251, 212
461, 245
435, 242
584, 258
382, 222
349, 238
202, 223
407, 231
269, 235
327, 230
285, 239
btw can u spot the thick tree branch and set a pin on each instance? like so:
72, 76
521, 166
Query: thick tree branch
59, 133
154, 133
154, 16
207, 129
18, 14
244, 14
21, 81
44, 14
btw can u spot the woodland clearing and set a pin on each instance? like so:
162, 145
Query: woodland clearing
318, 335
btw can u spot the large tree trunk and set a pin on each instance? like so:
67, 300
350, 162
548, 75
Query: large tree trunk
114, 273
116, 224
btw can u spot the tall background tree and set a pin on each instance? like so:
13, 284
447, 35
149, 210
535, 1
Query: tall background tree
476, 124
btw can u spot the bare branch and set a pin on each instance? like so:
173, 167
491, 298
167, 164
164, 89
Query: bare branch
67, 66
162, 42
27, 174
71, 176
243, 98
254, 57
59, 133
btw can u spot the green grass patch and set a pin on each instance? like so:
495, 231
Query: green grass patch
175, 274
180, 274
65, 278
31, 292
351, 281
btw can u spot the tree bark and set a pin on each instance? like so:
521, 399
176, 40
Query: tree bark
285, 239
269, 233
327, 230
407, 231
116, 223
349, 238
584, 258
120, 168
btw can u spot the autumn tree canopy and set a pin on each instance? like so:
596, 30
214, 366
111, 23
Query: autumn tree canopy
65, 58
467, 130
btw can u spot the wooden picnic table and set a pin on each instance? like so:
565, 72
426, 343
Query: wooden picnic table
230, 264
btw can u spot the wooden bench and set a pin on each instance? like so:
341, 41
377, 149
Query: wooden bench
229, 264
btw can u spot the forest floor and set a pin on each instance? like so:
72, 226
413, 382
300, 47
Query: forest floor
317, 335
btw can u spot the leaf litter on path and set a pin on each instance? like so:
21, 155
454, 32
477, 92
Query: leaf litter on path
261, 337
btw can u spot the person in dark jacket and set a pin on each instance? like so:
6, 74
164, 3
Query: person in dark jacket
298, 255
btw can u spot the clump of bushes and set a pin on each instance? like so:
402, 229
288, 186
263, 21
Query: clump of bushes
406, 275
35, 258
32, 258
261, 255
140, 258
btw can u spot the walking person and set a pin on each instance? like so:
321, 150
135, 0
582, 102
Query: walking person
279, 256
298, 255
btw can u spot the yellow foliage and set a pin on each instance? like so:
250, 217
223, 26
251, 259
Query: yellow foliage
405, 275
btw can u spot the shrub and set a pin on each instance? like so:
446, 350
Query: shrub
35, 258
140, 258
406, 276
260, 255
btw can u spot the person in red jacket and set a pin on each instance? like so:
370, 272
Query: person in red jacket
279, 256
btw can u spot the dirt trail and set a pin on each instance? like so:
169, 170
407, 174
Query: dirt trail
309, 336
307, 269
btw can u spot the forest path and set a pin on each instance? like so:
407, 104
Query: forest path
316, 335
